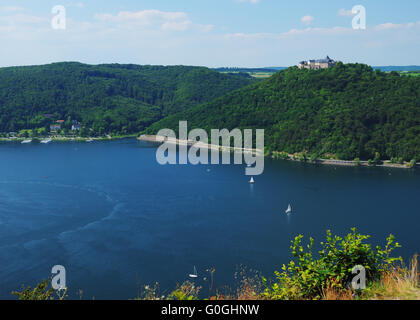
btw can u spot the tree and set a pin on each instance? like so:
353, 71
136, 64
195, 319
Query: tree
377, 159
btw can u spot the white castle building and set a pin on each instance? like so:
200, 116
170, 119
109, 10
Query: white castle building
317, 64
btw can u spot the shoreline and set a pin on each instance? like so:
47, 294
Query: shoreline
197, 144
68, 139
291, 157
347, 163
274, 155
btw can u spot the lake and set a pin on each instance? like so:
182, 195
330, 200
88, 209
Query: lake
117, 220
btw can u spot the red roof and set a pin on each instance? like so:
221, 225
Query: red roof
60, 121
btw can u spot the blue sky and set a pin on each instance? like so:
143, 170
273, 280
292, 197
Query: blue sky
242, 33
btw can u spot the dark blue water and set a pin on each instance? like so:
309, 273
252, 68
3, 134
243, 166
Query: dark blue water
117, 220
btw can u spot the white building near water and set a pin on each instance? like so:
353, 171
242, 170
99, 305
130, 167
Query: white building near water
317, 64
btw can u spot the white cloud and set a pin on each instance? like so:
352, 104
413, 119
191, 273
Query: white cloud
307, 19
160, 37
320, 31
170, 21
76, 5
240, 35
292, 33
176, 26
11, 9
205, 27
145, 16
345, 13
390, 25
21, 19
341, 43
249, 1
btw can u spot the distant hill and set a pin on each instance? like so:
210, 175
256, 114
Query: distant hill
347, 111
275, 69
111, 98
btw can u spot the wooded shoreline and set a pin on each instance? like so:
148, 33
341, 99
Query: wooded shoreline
290, 157
349, 163
67, 139
198, 144
189, 143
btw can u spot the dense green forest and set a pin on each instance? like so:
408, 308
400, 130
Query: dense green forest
348, 111
115, 99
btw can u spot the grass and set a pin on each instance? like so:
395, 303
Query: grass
397, 284
410, 73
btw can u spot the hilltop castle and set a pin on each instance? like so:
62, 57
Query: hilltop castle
317, 64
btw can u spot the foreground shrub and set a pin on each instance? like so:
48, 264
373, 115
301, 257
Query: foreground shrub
307, 277
185, 291
42, 291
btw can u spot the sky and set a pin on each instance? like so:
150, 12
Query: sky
212, 33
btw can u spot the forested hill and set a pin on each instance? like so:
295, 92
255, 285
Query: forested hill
113, 98
347, 111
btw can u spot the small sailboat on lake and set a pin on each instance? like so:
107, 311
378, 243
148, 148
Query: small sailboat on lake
289, 209
195, 274
252, 181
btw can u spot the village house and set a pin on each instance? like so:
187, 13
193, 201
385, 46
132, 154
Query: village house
75, 125
55, 127
317, 64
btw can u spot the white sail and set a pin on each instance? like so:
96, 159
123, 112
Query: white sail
195, 274
289, 209
252, 180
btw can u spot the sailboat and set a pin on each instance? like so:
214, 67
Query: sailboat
252, 180
195, 274
289, 209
